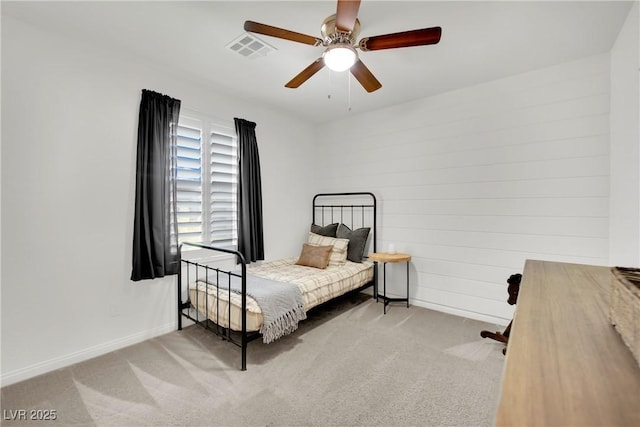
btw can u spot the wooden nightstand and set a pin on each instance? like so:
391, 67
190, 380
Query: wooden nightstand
384, 258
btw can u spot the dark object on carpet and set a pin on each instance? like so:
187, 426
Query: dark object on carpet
513, 289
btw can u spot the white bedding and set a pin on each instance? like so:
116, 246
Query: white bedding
317, 286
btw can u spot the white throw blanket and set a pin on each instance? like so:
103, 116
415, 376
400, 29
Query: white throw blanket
281, 304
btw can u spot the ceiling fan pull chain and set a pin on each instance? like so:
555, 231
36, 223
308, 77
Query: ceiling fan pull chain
330, 84
349, 89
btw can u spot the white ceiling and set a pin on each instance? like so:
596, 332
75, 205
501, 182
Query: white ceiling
481, 41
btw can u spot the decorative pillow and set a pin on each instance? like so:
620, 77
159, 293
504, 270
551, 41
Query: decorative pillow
315, 256
338, 254
327, 230
357, 241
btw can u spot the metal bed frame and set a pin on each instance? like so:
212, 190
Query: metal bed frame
322, 214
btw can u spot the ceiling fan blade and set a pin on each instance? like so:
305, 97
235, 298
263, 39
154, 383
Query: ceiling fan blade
365, 77
403, 39
268, 30
346, 14
306, 74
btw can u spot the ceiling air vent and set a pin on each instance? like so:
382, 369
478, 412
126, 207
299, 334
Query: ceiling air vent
250, 46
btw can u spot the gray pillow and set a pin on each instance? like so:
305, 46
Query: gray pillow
327, 230
357, 241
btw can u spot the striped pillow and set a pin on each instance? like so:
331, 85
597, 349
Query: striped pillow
338, 255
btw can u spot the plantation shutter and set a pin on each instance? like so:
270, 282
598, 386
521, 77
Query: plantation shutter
223, 190
189, 188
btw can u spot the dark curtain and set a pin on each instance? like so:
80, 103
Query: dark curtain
250, 239
155, 232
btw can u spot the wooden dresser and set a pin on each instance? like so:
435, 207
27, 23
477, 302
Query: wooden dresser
565, 364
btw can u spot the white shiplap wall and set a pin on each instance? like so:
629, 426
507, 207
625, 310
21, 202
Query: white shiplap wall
474, 182
624, 207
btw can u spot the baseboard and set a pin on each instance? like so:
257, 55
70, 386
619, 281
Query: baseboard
462, 313
452, 310
22, 374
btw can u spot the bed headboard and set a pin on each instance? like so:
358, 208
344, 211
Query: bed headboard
355, 210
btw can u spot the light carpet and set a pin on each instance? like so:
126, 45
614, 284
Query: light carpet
346, 365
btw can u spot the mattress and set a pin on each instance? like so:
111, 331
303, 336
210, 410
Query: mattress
317, 286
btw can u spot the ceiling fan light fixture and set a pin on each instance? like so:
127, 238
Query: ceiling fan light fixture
340, 57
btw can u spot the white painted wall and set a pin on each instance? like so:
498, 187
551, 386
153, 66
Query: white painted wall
473, 182
69, 116
625, 144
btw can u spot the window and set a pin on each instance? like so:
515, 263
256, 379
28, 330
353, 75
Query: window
207, 182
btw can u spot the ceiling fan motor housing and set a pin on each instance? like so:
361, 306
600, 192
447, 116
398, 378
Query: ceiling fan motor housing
331, 34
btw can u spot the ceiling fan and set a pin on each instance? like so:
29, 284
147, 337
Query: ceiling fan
339, 32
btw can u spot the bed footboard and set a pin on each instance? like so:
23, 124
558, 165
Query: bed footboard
193, 271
